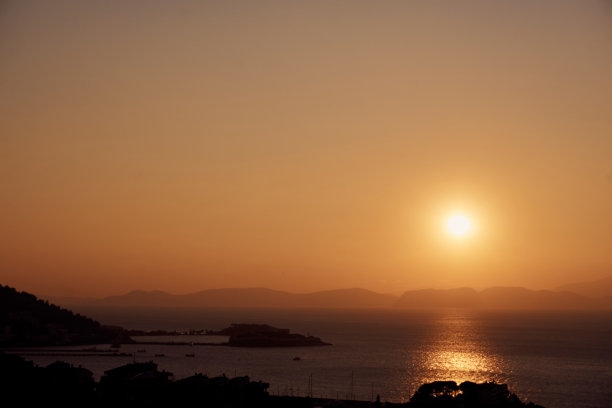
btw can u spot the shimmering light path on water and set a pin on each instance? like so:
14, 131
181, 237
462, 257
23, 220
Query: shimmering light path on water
459, 351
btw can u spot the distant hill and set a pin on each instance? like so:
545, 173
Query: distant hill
437, 298
522, 298
600, 288
346, 298
243, 297
497, 298
28, 321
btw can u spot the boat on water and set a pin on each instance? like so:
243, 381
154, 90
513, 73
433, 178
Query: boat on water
160, 355
190, 355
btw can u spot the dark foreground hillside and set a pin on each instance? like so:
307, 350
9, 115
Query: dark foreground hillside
28, 321
142, 385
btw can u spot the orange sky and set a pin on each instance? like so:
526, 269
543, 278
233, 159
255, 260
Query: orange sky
303, 145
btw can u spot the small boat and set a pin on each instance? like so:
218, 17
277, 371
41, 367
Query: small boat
160, 355
190, 355
297, 358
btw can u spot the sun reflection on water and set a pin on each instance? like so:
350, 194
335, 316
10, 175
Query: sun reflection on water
462, 366
457, 351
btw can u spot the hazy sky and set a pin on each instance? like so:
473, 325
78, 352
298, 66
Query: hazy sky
303, 145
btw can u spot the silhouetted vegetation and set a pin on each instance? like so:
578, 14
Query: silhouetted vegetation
28, 321
132, 385
447, 394
59, 384
143, 385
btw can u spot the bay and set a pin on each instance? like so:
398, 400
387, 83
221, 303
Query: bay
553, 358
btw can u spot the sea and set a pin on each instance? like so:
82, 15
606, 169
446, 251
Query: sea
558, 359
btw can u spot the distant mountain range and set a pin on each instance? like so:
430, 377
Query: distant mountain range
499, 298
588, 295
239, 297
597, 288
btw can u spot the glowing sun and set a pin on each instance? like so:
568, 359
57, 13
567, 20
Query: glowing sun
458, 225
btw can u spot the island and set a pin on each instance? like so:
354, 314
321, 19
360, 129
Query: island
263, 335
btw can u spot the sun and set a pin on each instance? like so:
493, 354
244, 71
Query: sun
458, 225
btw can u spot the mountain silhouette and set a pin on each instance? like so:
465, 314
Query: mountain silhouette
497, 298
600, 288
242, 297
494, 298
437, 298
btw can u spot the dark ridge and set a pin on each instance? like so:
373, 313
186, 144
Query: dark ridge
28, 321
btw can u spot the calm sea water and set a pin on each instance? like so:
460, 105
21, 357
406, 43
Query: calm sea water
557, 359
